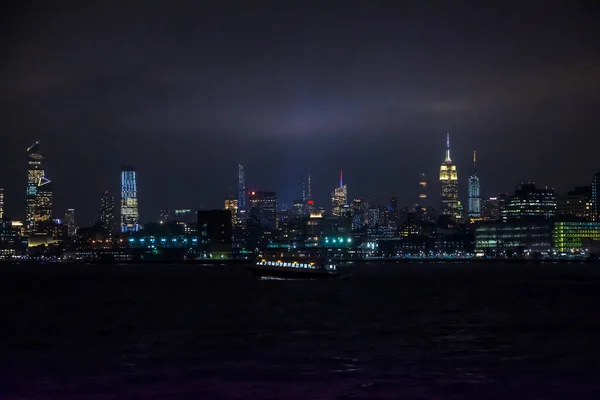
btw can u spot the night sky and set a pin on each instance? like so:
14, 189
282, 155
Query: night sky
185, 92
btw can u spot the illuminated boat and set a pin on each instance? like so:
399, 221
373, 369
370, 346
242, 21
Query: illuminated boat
293, 268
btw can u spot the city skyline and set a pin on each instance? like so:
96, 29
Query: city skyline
287, 88
242, 184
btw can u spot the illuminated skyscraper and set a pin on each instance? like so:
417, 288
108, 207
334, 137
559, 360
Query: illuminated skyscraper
107, 212
339, 198
1, 203
232, 206
130, 218
70, 221
241, 188
474, 192
39, 194
596, 197
449, 184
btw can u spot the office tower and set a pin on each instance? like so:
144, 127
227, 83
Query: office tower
107, 212
576, 203
232, 206
422, 189
39, 194
130, 217
393, 216
596, 198
1, 203
449, 184
263, 208
339, 198
359, 214
474, 192
298, 207
241, 188
491, 209
70, 222
530, 202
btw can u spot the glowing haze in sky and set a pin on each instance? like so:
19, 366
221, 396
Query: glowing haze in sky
186, 91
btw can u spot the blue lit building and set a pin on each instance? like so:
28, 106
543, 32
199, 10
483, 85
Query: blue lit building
130, 219
474, 193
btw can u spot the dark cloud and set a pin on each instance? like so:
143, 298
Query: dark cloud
186, 90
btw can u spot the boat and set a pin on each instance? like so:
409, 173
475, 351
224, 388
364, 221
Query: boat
293, 268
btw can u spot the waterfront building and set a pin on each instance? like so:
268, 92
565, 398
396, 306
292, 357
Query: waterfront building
570, 235
130, 217
449, 186
596, 197
530, 202
11, 243
474, 192
106, 215
339, 198
515, 236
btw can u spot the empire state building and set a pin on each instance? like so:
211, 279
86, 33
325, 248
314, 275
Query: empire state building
449, 184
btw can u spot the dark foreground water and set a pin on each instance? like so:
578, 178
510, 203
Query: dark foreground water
480, 331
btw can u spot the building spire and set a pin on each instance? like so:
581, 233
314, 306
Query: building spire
474, 160
309, 189
448, 159
341, 184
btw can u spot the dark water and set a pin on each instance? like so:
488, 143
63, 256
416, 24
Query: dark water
387, 332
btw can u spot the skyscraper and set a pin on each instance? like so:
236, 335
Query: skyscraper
449, 184
263, 208
422, 189
130, 218
1, 203
107, 212
241, 188
39, 194
232, 206
393, 217
596, 197
339, 198
474, 192
70, 221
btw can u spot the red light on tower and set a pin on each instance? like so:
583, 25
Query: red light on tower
310, 202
